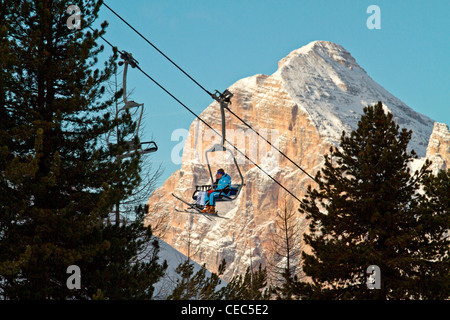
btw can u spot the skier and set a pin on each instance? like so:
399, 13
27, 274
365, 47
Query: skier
223, 182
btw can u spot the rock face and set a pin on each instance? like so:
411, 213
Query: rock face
438, 150
317, 92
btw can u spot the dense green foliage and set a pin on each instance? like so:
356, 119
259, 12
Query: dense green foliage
58, 181
368, 210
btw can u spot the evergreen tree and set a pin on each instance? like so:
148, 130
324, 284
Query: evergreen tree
130, 267
58, 183
432, 277
284, 290
251, 286
367, 211
196, 286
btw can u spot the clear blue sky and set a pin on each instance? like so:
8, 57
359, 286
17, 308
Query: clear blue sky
221, 41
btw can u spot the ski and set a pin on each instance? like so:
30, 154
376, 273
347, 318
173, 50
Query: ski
192, 206
197, 210
191, 212
207, 215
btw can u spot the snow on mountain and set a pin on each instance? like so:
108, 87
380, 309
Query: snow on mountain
326, 82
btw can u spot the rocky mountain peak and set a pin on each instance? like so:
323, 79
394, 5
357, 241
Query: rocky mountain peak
326, 82
324, 49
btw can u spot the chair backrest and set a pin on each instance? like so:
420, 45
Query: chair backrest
234, 190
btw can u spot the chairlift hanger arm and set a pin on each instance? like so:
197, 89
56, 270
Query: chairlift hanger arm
224, 97
128, 59
224, 100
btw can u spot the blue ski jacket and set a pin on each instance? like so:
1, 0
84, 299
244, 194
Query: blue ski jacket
224, 182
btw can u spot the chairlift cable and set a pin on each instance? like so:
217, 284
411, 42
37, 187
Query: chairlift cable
209, 93
271, 145
204, 122
156, 48
215, 131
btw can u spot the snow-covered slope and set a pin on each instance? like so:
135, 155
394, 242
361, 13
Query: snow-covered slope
174, 258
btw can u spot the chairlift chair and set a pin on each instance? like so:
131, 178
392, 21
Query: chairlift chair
224, 99
140, 147
235, 188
